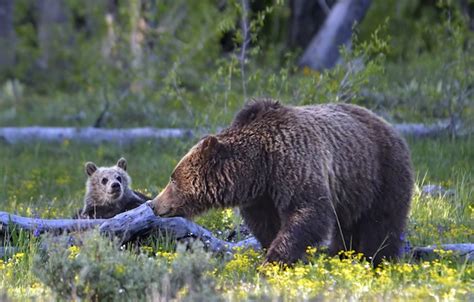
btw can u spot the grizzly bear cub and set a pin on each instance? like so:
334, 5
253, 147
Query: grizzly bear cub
333, 174
108, 191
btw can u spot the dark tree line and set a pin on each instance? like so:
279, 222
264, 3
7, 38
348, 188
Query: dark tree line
319, 28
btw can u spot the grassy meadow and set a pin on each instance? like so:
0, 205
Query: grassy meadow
47, 180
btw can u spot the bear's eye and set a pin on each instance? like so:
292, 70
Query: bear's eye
119, 179
104, 181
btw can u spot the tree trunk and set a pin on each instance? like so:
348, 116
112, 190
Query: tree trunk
467, 8
7, 35
307, 17
323, 50
53, 30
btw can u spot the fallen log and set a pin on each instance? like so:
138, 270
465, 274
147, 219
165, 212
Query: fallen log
38, 225
90, 135
136, 223
93, 135
141, 222
423, 130
463, 250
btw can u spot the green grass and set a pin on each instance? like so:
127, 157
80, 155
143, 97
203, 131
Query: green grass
48, 180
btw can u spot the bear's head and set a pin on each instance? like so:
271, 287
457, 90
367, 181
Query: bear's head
209, 175
106, 185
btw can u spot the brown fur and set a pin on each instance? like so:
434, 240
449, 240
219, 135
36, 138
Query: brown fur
108, 191
331, 174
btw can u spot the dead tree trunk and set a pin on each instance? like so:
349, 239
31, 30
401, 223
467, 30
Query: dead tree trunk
307, 17
7, 35
128, 226
53, 30
323, 50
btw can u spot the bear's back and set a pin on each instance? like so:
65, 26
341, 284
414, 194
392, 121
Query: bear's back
347, 145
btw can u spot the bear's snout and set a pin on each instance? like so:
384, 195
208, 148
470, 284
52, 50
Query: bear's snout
115, 190
165, 204
160, 208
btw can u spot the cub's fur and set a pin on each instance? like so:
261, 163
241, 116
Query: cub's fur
108, 191
331, 174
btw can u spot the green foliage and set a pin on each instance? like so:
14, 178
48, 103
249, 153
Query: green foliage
428, 72
99, 270
180, 77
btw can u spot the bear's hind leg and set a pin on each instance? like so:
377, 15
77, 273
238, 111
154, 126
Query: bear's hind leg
381, 228
379, 236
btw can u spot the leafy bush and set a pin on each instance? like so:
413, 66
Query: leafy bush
99, 269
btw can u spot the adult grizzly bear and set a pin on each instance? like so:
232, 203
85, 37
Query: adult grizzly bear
332, 174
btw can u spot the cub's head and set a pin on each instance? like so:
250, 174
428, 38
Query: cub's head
201, 180
106, 185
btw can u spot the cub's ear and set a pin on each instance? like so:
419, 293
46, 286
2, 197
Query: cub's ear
90, 168
122, 163
211, 145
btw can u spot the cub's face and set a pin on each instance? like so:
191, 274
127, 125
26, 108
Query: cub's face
107, 184
190, 190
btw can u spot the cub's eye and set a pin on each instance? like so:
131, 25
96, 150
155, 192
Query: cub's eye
172, 181
119, 179
104, 181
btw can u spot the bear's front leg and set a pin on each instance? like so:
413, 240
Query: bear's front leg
263, 220
306, 226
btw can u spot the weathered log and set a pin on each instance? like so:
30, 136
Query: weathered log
137, 223
141, 222
90, 135
462, 250
423, 130
39, 225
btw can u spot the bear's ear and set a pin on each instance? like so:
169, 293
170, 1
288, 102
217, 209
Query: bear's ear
90, 168
122, 163
210, 145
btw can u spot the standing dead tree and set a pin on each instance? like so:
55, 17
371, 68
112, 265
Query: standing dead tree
323, 50
7, 35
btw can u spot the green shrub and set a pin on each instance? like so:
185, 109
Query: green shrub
99, 269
